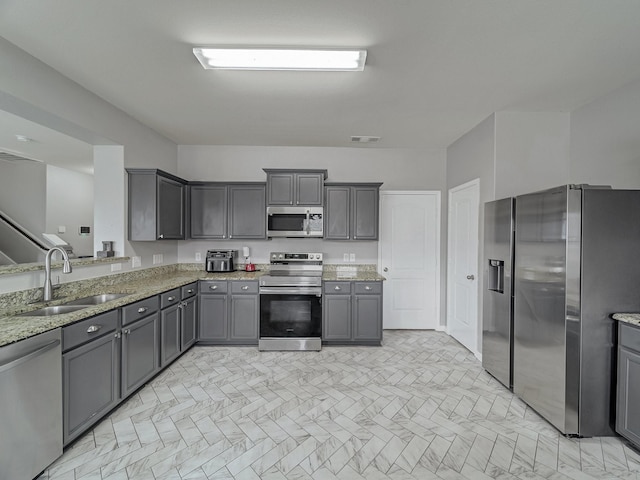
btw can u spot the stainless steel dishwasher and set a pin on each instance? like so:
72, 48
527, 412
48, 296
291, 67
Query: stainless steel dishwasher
30, 405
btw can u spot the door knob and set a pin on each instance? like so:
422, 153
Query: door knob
470, 277
385, 269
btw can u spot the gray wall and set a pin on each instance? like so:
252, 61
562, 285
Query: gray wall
605, 140
399, 169
70, 204
23, 187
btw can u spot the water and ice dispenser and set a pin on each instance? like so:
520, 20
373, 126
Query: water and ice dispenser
495, 282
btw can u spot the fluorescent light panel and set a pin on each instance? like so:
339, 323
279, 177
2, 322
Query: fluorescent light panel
241, 58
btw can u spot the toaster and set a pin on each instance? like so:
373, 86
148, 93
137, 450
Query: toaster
221, 260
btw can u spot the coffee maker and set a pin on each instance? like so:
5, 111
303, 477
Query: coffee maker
221, 260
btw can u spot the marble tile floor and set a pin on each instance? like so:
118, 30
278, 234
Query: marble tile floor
420, 407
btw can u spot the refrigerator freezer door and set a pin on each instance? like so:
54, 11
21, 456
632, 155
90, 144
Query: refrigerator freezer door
497, 312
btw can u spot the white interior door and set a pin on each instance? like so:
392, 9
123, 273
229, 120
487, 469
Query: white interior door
462, 274
409, 256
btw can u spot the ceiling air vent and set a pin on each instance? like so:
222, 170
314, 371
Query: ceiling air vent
10, 157
364, 139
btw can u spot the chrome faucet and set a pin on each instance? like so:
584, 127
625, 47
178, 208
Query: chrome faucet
66, 268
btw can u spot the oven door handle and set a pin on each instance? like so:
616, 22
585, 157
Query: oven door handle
291, 291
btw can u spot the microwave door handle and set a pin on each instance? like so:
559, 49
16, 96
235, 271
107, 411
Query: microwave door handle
308, 223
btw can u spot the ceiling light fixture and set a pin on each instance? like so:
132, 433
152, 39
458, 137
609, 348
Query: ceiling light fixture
285, 58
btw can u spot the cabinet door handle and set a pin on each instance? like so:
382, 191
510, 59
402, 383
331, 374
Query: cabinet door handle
190, 290
337, 288
367, 287
94, 328
171, 299
245, 287
142, 309
213, 287
126, 331
230, 236
118, 335
161, 236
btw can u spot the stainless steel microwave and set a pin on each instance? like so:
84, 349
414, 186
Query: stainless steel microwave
295, 221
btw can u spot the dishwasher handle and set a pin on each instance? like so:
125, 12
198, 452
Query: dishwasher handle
25, 358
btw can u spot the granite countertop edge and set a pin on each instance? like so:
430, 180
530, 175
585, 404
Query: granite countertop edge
14, 327
630, 318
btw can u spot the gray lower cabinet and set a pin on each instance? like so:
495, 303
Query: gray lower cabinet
177, 322
90, 372
228, 210
351, 211
228, 312
170, 345
140, 353
156, 205
352, 313
628, 394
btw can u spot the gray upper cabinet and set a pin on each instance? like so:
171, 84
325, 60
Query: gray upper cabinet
247, 211
156, 205
208, 213
295, 187
351, 211
228, 210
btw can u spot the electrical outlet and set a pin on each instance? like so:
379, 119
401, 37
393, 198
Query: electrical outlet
157, 258
136, 262
345, 257
198, 256
62, 229
116, 267
352, 257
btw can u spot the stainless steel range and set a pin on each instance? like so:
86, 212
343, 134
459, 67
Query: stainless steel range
291, 302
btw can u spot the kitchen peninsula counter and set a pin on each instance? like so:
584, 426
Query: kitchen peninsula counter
138, 285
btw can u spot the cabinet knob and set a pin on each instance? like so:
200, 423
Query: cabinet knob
367, 287
230, 236
94, 328
142, 309
126, 332
213, 287
245, 287
337, 288
161, 236
117, 335
190, 290
171, 299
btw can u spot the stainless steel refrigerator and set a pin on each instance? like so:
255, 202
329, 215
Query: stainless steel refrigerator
577, 261
497, 304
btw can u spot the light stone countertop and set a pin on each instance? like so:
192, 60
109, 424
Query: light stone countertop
138, 285
630, 318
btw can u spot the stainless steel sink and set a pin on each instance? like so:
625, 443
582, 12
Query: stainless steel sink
97, 299
53, 310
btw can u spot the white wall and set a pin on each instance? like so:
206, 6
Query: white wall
399, 169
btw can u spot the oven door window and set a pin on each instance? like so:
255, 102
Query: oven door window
290, 315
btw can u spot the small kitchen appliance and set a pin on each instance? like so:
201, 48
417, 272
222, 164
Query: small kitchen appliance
248, 266
291, 302
221, 260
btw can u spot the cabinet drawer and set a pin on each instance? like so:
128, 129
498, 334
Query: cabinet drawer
337, 288
244, 287
95, 327
140, 309
629, 336
368, 288
189, 290
172, 297
213, 286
